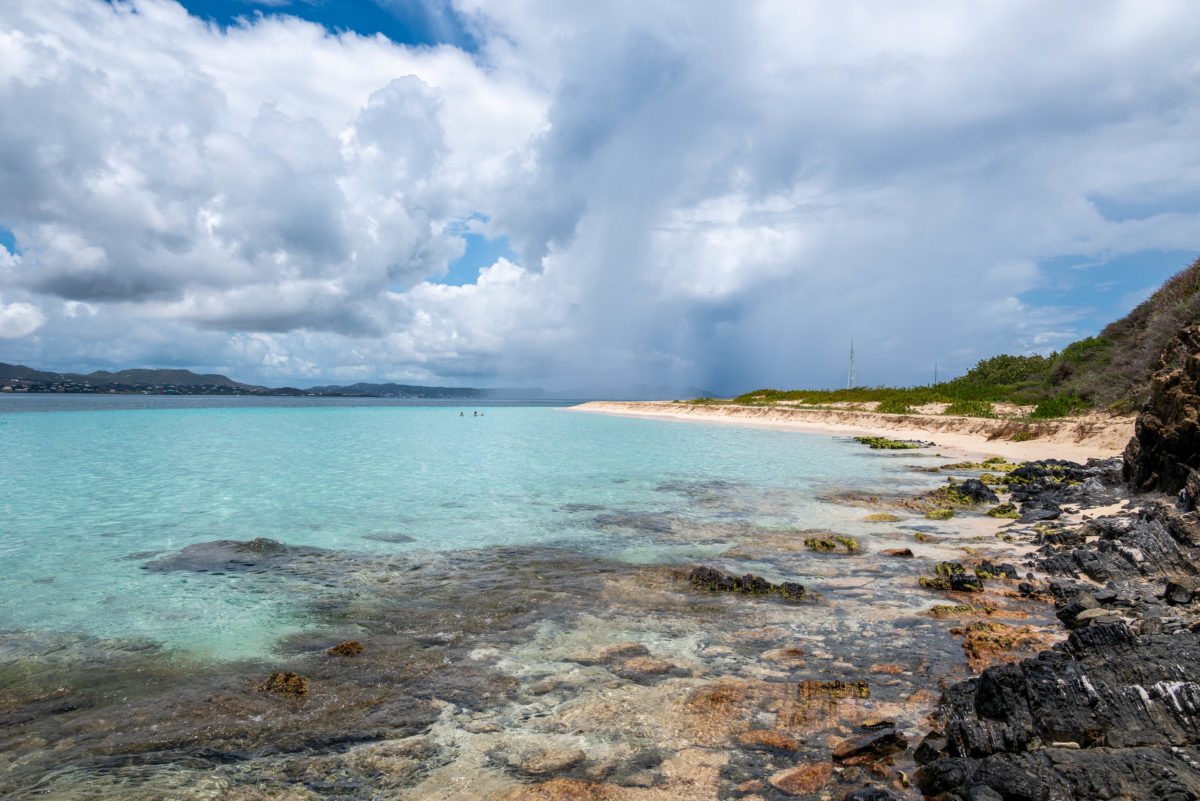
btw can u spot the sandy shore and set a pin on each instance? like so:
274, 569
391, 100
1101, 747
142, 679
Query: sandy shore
1077, 439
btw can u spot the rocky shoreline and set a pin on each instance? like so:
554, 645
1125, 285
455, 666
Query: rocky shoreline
1112, 712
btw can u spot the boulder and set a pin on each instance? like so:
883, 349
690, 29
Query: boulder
1070, 612
1164, 454
1182, 589
976, 491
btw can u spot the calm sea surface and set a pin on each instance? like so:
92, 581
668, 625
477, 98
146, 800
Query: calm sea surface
94, 489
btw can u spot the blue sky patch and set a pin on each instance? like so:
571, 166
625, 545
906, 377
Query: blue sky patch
410, 22
8, 240
481, 252
1105, 291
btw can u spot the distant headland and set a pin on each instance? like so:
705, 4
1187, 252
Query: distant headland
18, 378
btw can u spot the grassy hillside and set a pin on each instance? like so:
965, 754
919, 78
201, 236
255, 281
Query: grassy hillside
1108, 372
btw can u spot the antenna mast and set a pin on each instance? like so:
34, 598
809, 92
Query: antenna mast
935, 374
853, 379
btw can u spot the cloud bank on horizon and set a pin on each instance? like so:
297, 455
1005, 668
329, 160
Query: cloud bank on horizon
686, 193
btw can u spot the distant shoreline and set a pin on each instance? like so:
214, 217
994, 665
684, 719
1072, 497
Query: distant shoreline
1075, 439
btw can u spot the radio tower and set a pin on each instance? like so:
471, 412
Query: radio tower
853, 378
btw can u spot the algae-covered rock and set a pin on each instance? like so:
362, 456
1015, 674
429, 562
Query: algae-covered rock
706, 578
285, 684
1004, 510
347, 648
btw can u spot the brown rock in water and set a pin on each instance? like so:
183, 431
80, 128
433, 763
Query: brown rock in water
285, 684
768, 738
903, 553
1164, 454
642, 667
833, 689
890, 669
784, 655
347, 648
802, 780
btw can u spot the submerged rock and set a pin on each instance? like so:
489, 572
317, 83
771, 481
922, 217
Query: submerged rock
802, 780
285, 684
870, 747
233, 556
347, 648
771, 739
607, 654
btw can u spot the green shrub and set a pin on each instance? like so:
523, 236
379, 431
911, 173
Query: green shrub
1058, 406
897, 405
970, 409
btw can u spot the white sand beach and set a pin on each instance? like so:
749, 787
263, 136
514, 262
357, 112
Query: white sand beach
1075, 439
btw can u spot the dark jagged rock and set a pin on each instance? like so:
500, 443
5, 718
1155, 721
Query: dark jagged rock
1003, 569
706, 578
1053, 774
233, 556
1049, 484
1039, 516
1082, 720
930, 748
1127, 547
976, 491
1164, 454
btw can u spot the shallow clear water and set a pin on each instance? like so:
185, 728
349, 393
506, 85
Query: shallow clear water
89, 498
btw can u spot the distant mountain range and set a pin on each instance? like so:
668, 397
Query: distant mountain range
18, 378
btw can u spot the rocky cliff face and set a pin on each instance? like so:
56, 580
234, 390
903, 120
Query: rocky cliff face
1164, 454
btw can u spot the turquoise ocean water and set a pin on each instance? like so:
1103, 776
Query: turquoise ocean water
92, 489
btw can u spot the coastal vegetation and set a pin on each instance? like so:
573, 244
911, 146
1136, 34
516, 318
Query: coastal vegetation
1109, 372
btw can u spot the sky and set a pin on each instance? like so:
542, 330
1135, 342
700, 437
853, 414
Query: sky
523, 193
